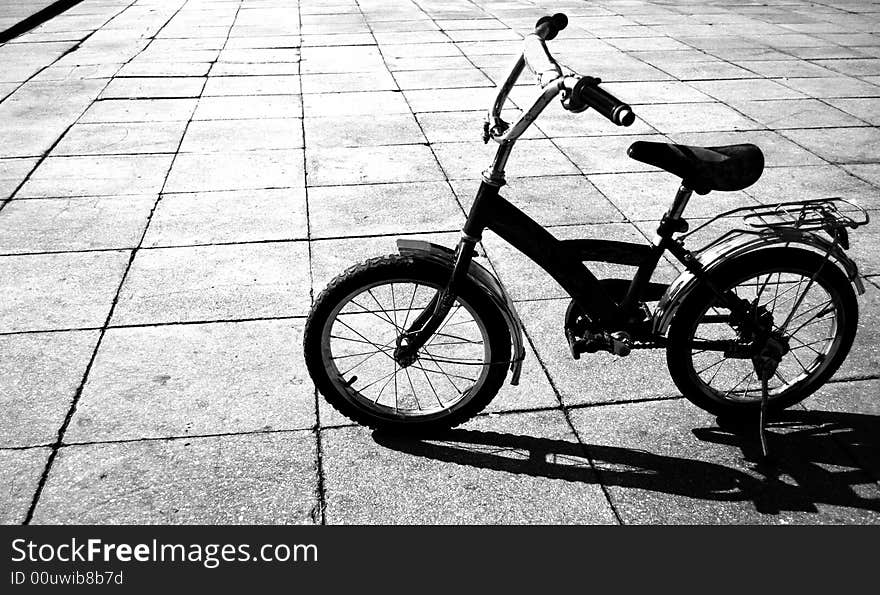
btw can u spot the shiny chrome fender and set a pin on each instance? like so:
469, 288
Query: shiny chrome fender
737, 244
486, 281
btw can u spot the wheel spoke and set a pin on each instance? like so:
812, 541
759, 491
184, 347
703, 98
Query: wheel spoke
413, 388
720, 361
343, 323
718, 369
363, 361
373, 312
387, 316
744, 378
412, 299
450, 367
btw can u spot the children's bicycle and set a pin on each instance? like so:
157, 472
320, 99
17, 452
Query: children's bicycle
760, 318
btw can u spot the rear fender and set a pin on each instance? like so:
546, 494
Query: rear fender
739, 244
486, 281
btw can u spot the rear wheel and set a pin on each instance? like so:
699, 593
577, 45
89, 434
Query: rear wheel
814, 315
353, 330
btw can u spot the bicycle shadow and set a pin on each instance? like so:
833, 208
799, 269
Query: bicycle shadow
818, 457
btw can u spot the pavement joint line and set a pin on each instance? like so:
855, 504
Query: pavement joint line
318, 515
78, 393
188, 437
158, 324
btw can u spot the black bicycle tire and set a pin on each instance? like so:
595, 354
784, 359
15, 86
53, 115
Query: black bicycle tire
678, 357
408, 267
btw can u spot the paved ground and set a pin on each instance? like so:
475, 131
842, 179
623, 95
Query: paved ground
13, 12
183, 176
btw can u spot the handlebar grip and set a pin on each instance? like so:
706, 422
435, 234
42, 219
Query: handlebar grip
587, 93
548, 27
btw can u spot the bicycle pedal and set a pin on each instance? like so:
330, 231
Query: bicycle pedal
617, 343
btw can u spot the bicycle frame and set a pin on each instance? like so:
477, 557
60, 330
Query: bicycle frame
564, 260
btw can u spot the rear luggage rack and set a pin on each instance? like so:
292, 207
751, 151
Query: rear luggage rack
831, 215
820, 213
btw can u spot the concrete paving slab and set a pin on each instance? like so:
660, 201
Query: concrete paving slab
101, 223
698, 117
252, 85
852, 410
206, 172
517, 468
140, 110
350, 83
796, 113
834, 86
374, 209
366, 103
104, 175
666, 462
20, 472
371, 165
262, 106
219, 378
153, 88
864, 358
205, 283
358, 131
246, 479
226, 217
58, 291
40, 376
13, 173
790, 183
127, 138
227, 136
839, 145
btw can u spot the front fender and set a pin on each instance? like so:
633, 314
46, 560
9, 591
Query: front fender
487, 282
740, 243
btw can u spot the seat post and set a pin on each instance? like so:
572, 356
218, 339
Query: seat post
681, 200
672, 221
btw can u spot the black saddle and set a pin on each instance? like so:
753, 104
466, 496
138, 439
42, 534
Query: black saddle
702, 169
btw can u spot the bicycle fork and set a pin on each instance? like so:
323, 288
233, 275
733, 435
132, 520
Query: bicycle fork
429, 320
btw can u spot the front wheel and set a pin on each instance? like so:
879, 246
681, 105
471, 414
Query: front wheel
353, 330
813, 314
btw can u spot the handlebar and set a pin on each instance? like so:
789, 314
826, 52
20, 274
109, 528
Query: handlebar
579, 93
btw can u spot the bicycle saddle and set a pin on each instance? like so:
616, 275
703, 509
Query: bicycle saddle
702, 169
